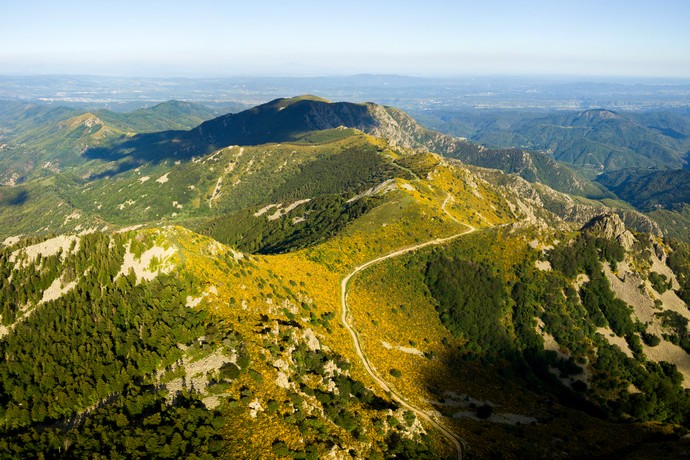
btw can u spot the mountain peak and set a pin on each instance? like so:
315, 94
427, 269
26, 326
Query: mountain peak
610, 226
282, 103
599, 114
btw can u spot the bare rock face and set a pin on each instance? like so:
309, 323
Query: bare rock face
610, 226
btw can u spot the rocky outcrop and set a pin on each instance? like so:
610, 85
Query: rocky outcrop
610, 226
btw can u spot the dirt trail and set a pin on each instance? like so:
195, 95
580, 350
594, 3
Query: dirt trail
355, 336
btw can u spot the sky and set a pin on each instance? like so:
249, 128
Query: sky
304, 38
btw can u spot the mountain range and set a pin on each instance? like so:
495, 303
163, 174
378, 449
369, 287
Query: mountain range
594, 140
39, 140
308, 279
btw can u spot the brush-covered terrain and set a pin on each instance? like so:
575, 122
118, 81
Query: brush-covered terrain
332, 290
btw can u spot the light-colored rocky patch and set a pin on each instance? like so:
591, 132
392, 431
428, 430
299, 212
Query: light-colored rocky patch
213, 156
144, 179
408, 350
337, 452
211, 402
176, 205
474, 187
550, 342
580, 281
47, 248
57, 289
193, 302
196, 373
142, 266
216, 192
669, 352
254, 408
411, 432
381, 189
130, 228
74, 216
310, 339
214, 248
163, 179
297, 220
283, 211
11, 240
543, 265
282, 380
626, 285
671, 301
265, 209
613, 339
122, 206
408, 187
663, 269
331, 369
237, 255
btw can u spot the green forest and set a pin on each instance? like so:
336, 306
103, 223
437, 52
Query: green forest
495, 311
78, 376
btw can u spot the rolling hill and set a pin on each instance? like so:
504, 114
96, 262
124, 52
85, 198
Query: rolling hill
38, 140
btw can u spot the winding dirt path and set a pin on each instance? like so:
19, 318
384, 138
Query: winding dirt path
355, 335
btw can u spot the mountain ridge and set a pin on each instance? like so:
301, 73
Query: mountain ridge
283, 120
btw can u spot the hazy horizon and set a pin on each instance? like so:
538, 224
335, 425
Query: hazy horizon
210, 38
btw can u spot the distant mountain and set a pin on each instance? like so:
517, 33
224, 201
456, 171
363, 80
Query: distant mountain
166, 115
36, 140
595, 140
649, 189
286, 120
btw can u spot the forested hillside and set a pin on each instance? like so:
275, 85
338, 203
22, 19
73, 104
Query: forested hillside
334, 294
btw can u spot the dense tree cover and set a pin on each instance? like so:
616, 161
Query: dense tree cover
582, 256
138, 423
508, 304
100, 345
471, 300
323, 216
649, 189
350, 171
86, 345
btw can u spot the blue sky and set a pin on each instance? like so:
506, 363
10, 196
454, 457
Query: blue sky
426, 37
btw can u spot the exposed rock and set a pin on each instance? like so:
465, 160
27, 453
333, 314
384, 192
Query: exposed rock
610, 226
